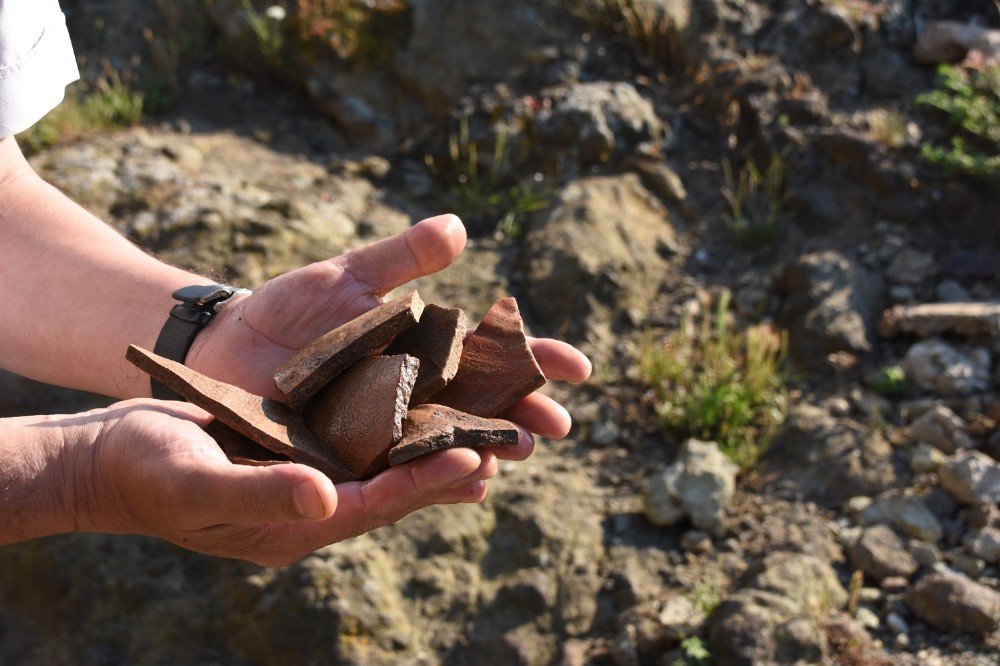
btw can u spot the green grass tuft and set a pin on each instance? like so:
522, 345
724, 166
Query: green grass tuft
970, 102
717, 383
756, 201
110, 104
487, 191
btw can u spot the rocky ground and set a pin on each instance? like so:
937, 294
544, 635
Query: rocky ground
868, 533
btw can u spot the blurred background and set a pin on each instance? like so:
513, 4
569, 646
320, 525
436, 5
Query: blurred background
772, 225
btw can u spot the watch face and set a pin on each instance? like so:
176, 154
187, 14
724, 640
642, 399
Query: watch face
202, 294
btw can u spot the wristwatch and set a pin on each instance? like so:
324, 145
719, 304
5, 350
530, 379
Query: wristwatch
198, 304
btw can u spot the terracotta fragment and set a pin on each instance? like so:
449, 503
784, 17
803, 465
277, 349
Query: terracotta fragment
235, 445
430, 428
497, 367
358, 417
302, 376
248, 462
437, 341
267, 422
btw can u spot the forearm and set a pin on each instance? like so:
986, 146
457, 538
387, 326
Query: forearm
35, 476
73, 292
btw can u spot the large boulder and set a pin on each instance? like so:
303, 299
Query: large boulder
455, 43
905, 512
597, 256
774, 619
952, 602
942, 428
972, 477
830, 305
941, 368
699, 486
881, 554
829, 460
590, 122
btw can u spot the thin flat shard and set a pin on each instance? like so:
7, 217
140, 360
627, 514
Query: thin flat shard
250, 462
497, 367
238, 446
306, 373
358, 417
267, 422
430, 428
969, 320
437, 341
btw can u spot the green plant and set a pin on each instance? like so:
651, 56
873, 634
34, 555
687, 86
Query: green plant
267, 28
970, 101
695, 652
487, 191
651, 28
707, 592
717, 383
362, 31
756, 200
891, 382
109, 104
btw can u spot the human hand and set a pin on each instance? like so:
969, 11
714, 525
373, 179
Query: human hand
255, 334
148, 467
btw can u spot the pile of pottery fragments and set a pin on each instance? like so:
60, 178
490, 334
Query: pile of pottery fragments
396, 383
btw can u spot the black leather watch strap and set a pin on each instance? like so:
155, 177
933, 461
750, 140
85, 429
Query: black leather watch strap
198, 304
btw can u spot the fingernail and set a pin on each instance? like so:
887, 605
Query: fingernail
307, 501
454, 224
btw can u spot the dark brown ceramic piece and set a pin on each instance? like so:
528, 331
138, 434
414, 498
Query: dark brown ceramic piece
430, 428
437, 342
235, 445
306, 373
267, 422
497, 367
248, 462
358, 417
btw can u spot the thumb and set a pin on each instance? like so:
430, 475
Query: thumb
241, 495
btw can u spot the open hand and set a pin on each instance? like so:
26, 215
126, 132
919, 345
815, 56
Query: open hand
254, 335
253, 513
148, 467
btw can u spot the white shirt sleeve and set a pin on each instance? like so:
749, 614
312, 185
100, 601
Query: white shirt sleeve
36, 62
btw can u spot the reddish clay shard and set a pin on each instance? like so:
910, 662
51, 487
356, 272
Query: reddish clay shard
237, 446
359, 416
267, 422
430, 428
437, 341
306, 373
497, 367
249, 462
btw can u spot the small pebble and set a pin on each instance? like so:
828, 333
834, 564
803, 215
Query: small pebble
927, 554
696, 541
894, 583
897, 624
604, 433
867, 618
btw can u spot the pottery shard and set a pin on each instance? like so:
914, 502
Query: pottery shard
267, 422
430, 428
302, 376
437, 341
239, 448
497, 367
359, 416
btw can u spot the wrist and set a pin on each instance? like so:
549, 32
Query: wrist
44, 490
197, 307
